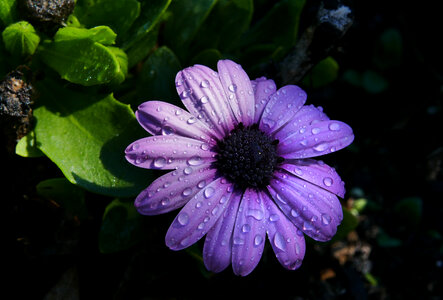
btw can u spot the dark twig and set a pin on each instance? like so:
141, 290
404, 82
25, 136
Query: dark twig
316, 42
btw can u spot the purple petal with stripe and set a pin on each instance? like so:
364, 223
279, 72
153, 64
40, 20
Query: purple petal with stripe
305, 116
161, 118
316, 139
312, 209
316, 172
199, 215
281, 108
262, 88
168, 152
203, 95
217, 250
174, 189
286, 240
249, 233
238, 90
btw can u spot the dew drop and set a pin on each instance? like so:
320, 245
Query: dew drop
258, 240
255, 213
201, 226
326, 219
183, 219
209, 192
165, 201
294, 213
268, 122
204, 147
159, 162
307, 226
232, 88
191, 120
167, 130
204, 100
274, 218
315, 130
334, 126
187, 170
186, 192
198, 204
327, 181
246, 228
204, 84
238, 241
201, 184
279, 241
135, 146
195, 161
214, 211
320, 147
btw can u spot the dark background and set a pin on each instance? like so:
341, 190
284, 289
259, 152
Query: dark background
397, 154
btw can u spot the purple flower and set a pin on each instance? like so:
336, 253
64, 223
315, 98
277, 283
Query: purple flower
242, 167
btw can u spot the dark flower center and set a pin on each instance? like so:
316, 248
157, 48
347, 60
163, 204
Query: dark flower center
247, 157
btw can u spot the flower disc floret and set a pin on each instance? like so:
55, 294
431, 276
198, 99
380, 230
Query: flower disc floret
247, 157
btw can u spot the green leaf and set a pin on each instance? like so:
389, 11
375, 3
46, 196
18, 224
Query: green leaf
325, 72
410, 210
8, 13
389, 49
157, 77
208, 57
279, 26
184, 24
121, 227
80, 61
141, 49
225, 25
85, 135
100, 34
70, 197
373, 82
27, 146
122, 59
349, 223
20, 39
386, 241
117, 14
151, 13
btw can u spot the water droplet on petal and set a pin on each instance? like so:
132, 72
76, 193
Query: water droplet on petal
201, 184
307, 226
232, 88
326, 219
135, 146
204, 84
165, 201
188, 170
167, 130
186, 192
246, 228
274, 218
238, 241
204, 100
279, 241
191, 120
328, 181
183, 218
321, 147
334, 126
268, 122
195, 161
159, 162
255, 213
258, 240
209, 192
294, 213
315, 130
201, 226
204, 147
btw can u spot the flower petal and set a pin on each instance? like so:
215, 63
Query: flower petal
312, 209
286, 240
161, 118
199, 215
316, 172
249, 233
217, 250
282, 107
174, 189
168, 152
203, 95
316, 139
238, 90
305, 116
262, 88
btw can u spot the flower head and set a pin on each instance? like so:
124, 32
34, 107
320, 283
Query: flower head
242, 167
